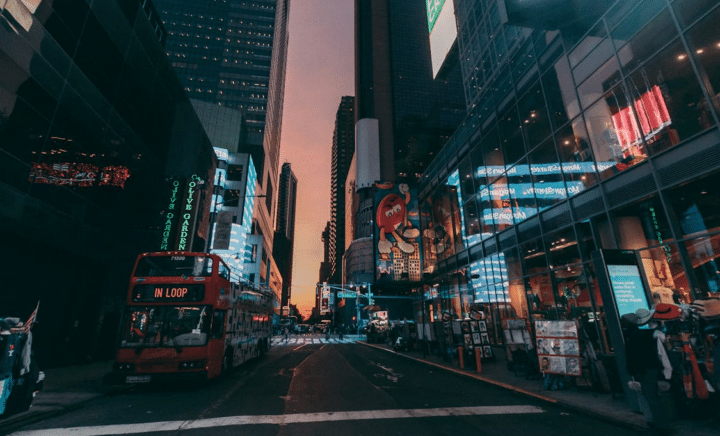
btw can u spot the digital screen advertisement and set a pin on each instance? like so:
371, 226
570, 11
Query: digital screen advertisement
628, 288
443, 30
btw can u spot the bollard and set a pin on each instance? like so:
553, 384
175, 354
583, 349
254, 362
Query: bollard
478, 359
461, 357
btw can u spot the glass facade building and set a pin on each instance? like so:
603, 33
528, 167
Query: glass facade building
575, 141
92, 122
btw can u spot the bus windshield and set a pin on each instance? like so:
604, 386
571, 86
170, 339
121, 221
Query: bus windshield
166, 326
174, 266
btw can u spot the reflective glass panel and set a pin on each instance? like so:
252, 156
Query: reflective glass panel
614, 133
576, 158
668, 101
547, 177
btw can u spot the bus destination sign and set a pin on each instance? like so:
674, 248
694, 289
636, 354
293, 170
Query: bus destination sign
160, 293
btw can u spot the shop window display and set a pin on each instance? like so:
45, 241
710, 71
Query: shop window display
533, 256
562, 248
695, 206
643, 226
614, 135
541, 296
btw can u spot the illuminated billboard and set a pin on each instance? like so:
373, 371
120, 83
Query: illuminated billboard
397, 235
443, 30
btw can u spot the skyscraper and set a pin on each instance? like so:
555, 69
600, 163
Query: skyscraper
234, 54
404, 115
343, 148
394, 84
285, 229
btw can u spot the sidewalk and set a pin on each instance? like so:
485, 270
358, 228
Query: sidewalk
66, 388
581, 400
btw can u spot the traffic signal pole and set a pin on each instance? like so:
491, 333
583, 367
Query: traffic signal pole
354, 290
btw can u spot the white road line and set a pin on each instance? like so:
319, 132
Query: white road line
280, 420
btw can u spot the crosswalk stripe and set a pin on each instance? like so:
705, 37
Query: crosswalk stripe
297, 418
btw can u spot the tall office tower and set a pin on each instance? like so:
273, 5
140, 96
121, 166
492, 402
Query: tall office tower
234, 53
395, 83
324, 270
285, 229
92, 121
406, 109
343, 148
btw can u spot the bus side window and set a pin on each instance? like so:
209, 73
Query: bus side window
224, 272
218, 324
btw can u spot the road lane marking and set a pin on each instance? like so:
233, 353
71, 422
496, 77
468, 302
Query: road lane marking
298, 418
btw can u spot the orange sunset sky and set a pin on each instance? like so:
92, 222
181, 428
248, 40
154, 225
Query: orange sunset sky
320, 71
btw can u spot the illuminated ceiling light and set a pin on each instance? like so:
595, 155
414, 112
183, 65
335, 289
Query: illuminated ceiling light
567, 142
681, 57
700, 51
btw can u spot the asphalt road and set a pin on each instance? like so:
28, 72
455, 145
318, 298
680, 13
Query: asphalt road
325, 389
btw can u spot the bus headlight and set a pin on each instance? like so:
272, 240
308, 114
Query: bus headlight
124, 367
192, 364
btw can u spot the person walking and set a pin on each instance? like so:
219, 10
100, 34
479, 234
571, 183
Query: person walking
644, 365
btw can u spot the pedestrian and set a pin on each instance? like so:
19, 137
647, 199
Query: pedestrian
286, 331
645, 366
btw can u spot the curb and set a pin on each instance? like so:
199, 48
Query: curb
555, 401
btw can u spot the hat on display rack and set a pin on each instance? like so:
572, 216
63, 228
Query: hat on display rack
665, 311
644, 315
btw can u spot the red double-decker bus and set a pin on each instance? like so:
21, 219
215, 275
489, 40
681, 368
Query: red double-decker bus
185, 317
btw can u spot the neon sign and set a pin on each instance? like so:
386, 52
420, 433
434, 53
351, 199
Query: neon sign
188, 214
170, 215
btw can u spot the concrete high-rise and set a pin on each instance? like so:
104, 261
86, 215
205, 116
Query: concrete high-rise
285, 229
234, 54
343, 148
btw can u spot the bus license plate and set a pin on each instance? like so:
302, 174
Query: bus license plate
137, 379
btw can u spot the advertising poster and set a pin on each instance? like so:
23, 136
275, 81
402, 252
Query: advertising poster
558, 348
397, 233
